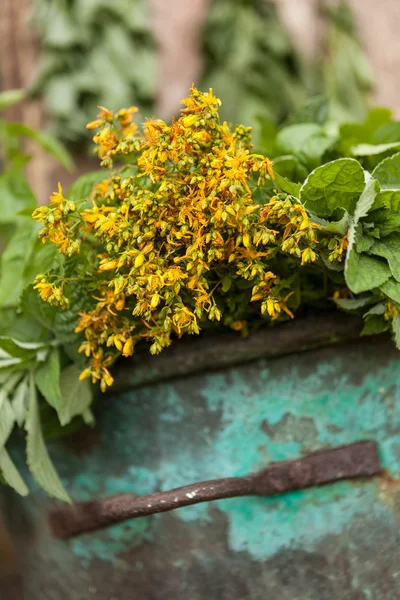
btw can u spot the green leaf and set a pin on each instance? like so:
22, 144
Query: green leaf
20, 400
13, 262
373, 149
82, 187
387, 172
290, 167
11, 475
363, 242
364, 272
391, 288
15, 194
11, 97
287, 186
357, 279
340, 227
315, 110
7, 419
18, 349
76, 395
396, 330
367, 198
352, 303
47, 378
39, 461
307, 141
49, 143
387, 221
375, 324
389, 248
336, 184
388, 199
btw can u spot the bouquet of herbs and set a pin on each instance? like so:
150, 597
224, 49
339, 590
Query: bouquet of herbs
191, 228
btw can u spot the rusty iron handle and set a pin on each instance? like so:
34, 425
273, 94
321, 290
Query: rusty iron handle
359, 459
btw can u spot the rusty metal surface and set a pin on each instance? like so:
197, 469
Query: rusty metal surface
337, 541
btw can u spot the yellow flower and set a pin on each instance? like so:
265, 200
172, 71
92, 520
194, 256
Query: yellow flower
57, 197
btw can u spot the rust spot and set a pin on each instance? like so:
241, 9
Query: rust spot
388, 487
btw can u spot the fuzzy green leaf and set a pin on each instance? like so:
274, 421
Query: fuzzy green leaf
386, 221
367, 198
391, 288
39, 461
387, 173
336, 184
389, 248
375, 324
364, 272
389, 199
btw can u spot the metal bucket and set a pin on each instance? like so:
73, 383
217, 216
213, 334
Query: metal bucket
168, 423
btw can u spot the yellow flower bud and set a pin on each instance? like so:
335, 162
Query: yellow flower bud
139, 260
128, 348
155, 301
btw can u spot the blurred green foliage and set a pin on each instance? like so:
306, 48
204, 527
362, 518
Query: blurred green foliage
96, 52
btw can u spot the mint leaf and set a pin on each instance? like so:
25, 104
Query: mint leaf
39, 461
389, 248
386, 221
391, 288
375, 324
367, 198
388, 199
387, 172
336, 184
47, 379
364, 272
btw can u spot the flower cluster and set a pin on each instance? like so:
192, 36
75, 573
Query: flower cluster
178, 239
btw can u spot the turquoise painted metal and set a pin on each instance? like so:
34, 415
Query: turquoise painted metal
340, 541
